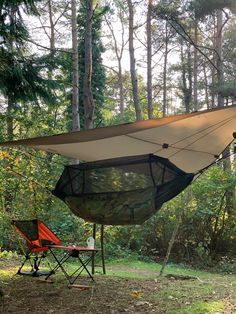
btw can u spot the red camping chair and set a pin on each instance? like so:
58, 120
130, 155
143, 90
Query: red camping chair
37, 237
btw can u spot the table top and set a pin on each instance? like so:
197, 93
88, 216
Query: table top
72, 248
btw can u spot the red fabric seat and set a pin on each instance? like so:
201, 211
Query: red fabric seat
37, 236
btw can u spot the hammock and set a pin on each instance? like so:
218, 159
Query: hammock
120, 191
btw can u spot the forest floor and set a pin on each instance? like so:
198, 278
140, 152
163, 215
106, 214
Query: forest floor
128, 287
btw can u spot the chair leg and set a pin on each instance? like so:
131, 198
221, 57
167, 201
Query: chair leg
23, 263
34, 261
27, 258
37, 261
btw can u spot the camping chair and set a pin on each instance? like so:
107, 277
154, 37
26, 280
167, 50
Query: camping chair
37, 237
40, 240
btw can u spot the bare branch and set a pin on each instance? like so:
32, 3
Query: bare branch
48, 48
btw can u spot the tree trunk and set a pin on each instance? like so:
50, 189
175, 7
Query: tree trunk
190, 82
184, 79
206, 86
52, 27
219, 61
75, 66
213, 69
8, 198
119, 54
185, 199
121, 88
87, 91
213, 82
149, 60
195, 69
164, 108
132, 63
10, 108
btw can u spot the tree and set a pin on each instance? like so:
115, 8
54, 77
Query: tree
92, 71
119, 46
195, 68
21, 77
75, 69
219, 55
52, 17
134, 78
149, 59
48, 31
165, 65
87, 91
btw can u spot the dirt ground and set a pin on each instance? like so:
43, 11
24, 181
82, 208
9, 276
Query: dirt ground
111, 295
107, 295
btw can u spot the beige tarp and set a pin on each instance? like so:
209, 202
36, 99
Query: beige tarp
190, 141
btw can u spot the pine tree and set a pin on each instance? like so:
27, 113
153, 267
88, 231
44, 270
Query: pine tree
21, 78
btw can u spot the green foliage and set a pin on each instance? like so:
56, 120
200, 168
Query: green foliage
227, 90
8, 255
226, 265
21, 78
167, 10
203, 8
110, 110
12, 26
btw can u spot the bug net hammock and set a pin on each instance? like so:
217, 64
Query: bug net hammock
120, 191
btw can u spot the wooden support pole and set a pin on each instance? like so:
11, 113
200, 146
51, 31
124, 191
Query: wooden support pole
93, 256
102, 250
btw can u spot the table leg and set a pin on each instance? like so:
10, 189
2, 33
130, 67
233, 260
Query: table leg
60, 262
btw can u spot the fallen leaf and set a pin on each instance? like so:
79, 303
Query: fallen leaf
136, 294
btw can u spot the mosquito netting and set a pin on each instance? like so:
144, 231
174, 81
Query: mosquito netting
120, 191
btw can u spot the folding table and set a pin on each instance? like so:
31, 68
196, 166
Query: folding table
75, 252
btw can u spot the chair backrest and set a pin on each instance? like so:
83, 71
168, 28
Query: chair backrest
37, 235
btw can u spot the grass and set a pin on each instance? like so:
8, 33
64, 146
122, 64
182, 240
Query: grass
205, 295
134, 286
204, 307
151, 269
